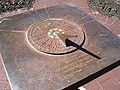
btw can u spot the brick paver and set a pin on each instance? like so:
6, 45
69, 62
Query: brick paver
109, 81
107, 85
93, 85
104, 77
116, 71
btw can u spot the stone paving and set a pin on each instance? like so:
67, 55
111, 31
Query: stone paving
111, 24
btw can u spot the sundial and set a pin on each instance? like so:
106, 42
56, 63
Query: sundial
55, 47
43, 37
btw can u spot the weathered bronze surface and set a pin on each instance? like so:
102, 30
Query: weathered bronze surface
31, 67
43, 37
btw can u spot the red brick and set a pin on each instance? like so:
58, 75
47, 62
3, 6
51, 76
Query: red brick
104, 77
39, 4
76, 2
103, 19
109, 21
51, 2
117, 87
83, 4
116, 70
110, 83
116, 31
93, 85
114, 25
118, 77
98, 17
66, 1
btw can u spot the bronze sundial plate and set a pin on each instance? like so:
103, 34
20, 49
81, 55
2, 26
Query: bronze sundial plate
36, 59
42, 35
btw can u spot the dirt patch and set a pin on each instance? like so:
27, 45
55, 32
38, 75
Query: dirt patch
110, 8
14, 5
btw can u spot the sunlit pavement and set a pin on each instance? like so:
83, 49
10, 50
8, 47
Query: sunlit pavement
108, 81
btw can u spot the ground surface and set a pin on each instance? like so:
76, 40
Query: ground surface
13, 5
103, 82
110, 8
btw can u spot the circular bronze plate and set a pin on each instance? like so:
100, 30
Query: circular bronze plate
42, 36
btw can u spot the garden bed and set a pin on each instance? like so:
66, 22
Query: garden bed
110, 8
14, 5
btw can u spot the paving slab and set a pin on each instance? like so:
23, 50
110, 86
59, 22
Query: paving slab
27, 53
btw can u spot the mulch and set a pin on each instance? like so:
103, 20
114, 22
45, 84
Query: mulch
14, 5
110, 8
